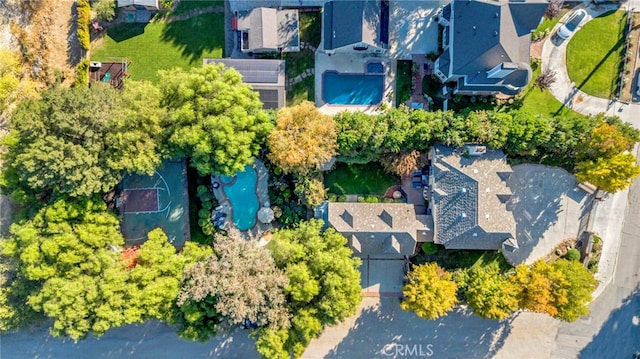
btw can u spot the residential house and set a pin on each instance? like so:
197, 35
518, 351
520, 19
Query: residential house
267, 77
469, 198
355, 26
378, 230
265, 29
486, 45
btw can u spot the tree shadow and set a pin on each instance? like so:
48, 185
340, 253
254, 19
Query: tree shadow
126, 31
619, 336
152, 339
386, 330
196, 35
74, 53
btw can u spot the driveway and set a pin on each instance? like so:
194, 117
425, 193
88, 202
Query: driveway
383, 330
548, 207
382, 277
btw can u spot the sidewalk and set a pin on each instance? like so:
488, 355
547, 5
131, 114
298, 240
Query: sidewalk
608, 215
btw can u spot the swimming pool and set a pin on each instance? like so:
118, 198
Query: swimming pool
242, 196
352, 89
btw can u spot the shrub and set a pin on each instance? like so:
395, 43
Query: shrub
82, 74
545, 79
573, 254
166, 4
554, 9
84, 19
341, 198
429, 248
105, 9
371, 199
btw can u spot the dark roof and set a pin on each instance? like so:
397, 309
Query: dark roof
487, 33
267, 77
469, 197
350, 22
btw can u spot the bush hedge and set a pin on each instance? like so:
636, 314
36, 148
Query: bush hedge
84, 20
82, 74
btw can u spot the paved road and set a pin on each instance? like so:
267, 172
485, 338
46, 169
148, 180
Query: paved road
612, 330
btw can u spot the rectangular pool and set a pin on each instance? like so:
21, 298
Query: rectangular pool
352, 89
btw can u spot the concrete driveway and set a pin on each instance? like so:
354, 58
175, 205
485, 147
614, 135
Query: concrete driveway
383, 330
382, 277
548, 208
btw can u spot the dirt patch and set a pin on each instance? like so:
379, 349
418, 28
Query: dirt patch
45, 34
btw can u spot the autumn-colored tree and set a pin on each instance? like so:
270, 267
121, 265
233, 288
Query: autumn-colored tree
304, 139
536, 287
401, 163
579, 285
606, 140
430, 292
239, 283
611, 174
490, 294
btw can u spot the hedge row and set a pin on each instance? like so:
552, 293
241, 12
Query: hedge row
82, 74
84, 20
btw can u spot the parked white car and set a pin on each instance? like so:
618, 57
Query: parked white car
569, 27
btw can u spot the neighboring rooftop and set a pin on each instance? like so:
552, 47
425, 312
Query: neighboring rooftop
265, 29
348, 23
469, 198
381, 230
489, 42
149, 4
267, 77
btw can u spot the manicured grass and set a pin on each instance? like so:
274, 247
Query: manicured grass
162, 46
464, 259
298, 62
594, 54
545, 27
369, 178
540, 102
403, 81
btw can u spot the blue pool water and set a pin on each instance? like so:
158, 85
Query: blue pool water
243, 197
349, 89
375, 68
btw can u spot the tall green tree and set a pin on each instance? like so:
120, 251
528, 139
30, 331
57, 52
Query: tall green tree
430, 291
610, 174
303, 140
239, 283
68, 254
79, 141
214, 118
490, 294
324, 286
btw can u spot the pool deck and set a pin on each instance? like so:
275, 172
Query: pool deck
262, 191
354, 63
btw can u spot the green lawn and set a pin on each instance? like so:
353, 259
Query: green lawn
403, 81
298, 62
162, 46
364, 179
536, 101
462, 259
594, 54
545, 27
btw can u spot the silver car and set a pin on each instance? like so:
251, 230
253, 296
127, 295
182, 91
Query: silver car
571, 25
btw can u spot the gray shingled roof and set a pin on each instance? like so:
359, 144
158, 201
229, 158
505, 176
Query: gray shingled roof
271, 29
468, 199
380, 230
350, 22
487, 33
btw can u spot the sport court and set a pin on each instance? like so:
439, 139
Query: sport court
161, 200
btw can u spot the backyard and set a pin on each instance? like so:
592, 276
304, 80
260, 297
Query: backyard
365, 179
299, 62
164, 45
595, 53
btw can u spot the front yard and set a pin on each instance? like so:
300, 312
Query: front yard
163, 45
595, 53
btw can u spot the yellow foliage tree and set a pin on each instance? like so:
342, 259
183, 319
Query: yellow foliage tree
304, 139
610, 174
430, 292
